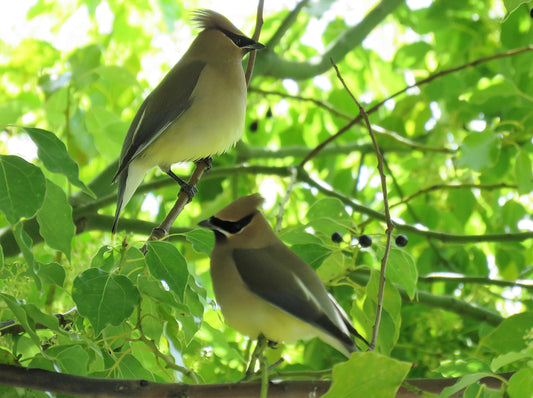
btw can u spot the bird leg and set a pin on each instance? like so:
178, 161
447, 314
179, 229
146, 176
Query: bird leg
190, 190
208, 161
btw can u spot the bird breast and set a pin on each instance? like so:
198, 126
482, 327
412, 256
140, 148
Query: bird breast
212, 124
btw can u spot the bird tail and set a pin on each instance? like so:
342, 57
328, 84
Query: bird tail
128, 181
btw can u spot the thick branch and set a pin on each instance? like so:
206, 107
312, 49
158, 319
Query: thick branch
89, 387
271, 64
92, 221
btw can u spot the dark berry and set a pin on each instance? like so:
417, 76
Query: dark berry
268, 114
401, 240
336, 237
365, 241
253, 126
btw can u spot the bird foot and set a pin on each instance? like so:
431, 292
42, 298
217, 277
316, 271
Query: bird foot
189, 190
207, 161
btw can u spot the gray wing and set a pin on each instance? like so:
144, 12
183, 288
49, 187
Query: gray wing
169, 100
275, 274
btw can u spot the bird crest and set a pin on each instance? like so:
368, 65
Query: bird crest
209, 19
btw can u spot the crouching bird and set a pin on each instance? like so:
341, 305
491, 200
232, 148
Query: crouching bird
196, 111
264, 288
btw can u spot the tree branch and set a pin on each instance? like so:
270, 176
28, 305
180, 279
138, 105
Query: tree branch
479, 280
91, 387
430, 78
390, 225
272, 64
91, 221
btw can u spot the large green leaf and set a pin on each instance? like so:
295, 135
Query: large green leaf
54, 155
104, 298
72, 359
328, 215
367, 374
401, 270
17, 308
168, 264
22, 188
511, 334
201, 239
55, 219
524, 173
480, 151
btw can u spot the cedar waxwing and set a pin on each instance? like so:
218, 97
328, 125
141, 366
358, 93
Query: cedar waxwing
263, 287
196, 111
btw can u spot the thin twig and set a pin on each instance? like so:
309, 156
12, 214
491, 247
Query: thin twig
321, 104
257, 32
429, 79
453, 186
285, 199
162, 231
390, 225
480, 280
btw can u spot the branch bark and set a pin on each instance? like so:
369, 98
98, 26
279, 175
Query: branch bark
270, 63
88, 387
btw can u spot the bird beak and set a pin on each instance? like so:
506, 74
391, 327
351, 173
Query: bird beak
255, 46
206, 224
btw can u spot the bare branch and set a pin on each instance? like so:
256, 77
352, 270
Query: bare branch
390, 225
430, 78
91, 387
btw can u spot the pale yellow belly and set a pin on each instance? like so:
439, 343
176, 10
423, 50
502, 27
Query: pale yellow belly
213, 123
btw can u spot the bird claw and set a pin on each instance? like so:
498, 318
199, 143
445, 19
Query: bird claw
207, 161
189, 190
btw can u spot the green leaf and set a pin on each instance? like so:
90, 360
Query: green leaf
20, 314
22, 188
25, 243
108, 131
461, 203
166, 263
51, 273
297, 235
50, 321
55, 219
391, 320
327, 215
83, 61
507, 358
401, 270
72, 359
314, 255
153, 288
104, 258
53, 153
104, 298
202, 240
463, 382
367, 374
480, 151
512, 5
511, 335
521, 384
129, 367
524, 173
